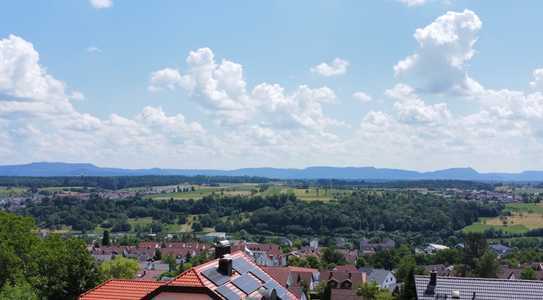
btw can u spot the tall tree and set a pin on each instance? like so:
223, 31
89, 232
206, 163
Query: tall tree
66, 267
105, 238
409, 290
487, 266
475, 246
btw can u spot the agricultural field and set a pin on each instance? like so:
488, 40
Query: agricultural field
523, 217
12, 191
201, 191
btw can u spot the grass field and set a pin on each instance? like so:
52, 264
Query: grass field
12, 191
202, 191
524, 216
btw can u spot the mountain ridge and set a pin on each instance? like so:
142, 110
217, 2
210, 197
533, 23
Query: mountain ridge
49, 169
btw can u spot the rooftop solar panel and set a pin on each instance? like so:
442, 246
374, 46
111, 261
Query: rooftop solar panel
261, 275
241, 265
281, 291
214, 276
227, 293
246, 283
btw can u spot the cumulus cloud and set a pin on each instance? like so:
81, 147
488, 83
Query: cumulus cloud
362, 97
38, 121
101, 4
445, 47
220, 88
264, 124
168, 79
412, 109
537, 82
336, 67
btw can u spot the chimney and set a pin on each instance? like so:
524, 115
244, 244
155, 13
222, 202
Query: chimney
225, 265
431, 287
222, 248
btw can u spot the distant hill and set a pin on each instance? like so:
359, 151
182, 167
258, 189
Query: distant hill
85, 169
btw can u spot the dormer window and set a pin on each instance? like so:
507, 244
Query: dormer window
346, 284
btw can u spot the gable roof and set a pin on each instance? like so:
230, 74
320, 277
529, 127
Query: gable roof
484, 288
346, 268
195, 278
189, 278
280, 274
118, 289
192, 281
376, 275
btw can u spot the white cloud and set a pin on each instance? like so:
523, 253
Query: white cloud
445, 47
413, 2
537, 83
266, 125
101, 4
362, 97
93, 49
221, 89
337, 67
38, 122
412, 109
169, 79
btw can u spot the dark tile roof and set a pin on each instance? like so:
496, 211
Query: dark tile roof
484, 288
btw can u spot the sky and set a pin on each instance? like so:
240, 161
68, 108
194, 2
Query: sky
411, 84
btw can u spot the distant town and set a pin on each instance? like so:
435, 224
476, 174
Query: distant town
309, 239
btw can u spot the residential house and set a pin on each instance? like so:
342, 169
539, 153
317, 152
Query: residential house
343, 284
500, 250
229, 276
350, 255
368, 248
469, 288
269, 255
296, 279
385, 279
515, 273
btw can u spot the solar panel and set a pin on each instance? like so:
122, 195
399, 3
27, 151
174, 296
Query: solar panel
280, 290
260, 274
214, 276
227, 293
246, 283
241, 265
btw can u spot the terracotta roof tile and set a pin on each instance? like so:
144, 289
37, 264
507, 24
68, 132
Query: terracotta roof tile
188, 278
118, 289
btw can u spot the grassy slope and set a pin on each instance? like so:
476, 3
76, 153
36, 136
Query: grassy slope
525, 216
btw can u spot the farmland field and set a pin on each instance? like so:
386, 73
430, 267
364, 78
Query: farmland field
202, 191
524, 216
12, 191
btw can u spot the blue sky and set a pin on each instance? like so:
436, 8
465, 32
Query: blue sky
464, 97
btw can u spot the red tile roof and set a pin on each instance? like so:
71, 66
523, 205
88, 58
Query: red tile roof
188, 278
118, 289
280, 274
137, 289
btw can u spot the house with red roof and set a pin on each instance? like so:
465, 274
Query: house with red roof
233, 276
